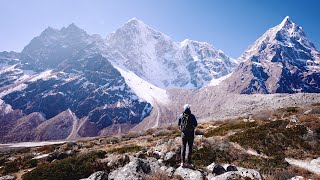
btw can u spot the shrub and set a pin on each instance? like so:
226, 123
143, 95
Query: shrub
292, 109
272, 138
76, 167
32, 163
11, 167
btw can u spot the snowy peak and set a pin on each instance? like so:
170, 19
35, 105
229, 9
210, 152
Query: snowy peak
286, 34
137, 33
54, 46
286, 21
134, 22
157, 59
283, 60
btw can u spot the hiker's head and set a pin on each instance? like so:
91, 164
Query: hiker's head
186, 108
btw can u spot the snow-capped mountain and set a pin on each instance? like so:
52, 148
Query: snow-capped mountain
156, 58
283, 60
48, 87
53, 46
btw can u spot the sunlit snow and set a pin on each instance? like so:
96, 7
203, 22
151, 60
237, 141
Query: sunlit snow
143, 89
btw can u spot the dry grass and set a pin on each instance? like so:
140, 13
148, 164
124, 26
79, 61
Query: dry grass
157, 176
288, 173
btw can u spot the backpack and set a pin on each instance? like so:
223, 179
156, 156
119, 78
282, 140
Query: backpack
185, 122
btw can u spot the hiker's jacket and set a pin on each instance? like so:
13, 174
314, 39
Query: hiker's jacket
190, 131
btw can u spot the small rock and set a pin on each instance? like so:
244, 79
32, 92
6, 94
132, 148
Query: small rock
308, 111
211, 166
232, 168
249, 173
297, 178
7, 177
218, 169
157, 154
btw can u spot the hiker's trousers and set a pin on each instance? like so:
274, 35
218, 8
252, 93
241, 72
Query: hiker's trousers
186, 140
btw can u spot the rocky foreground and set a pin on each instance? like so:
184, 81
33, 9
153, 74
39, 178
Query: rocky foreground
283, 144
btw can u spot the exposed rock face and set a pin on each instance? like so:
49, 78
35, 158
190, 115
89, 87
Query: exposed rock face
283, 60
86, 84
188, 174
136, 169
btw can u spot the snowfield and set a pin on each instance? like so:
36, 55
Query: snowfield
32, 144
144, 90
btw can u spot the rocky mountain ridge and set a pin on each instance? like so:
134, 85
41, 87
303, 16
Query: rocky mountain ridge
283, 60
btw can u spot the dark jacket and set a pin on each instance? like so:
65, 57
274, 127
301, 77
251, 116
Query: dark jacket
189, 132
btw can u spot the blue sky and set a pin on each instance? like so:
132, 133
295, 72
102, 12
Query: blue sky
229, 25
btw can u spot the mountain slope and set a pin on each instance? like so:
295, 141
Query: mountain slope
82, 80
283, 60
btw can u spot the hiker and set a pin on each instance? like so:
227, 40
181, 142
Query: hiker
187, 123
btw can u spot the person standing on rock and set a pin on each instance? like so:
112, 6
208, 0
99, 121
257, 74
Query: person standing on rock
187, 123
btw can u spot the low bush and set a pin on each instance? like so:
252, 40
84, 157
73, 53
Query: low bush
76, 167
273, 138
207, 155
10, 167
292, 109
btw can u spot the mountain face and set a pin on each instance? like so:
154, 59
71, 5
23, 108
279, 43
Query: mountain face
95, 92
156, 58
42, 86
283, 60
54, 46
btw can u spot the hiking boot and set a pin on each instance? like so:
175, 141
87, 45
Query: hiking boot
183, 164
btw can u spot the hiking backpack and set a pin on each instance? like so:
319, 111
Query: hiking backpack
185, 122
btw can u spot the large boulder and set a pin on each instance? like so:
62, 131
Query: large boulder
135, 170
99, 175
171, 158
219, 172
188, 174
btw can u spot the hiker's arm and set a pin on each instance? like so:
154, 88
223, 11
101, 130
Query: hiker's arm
179, 121
195, 123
